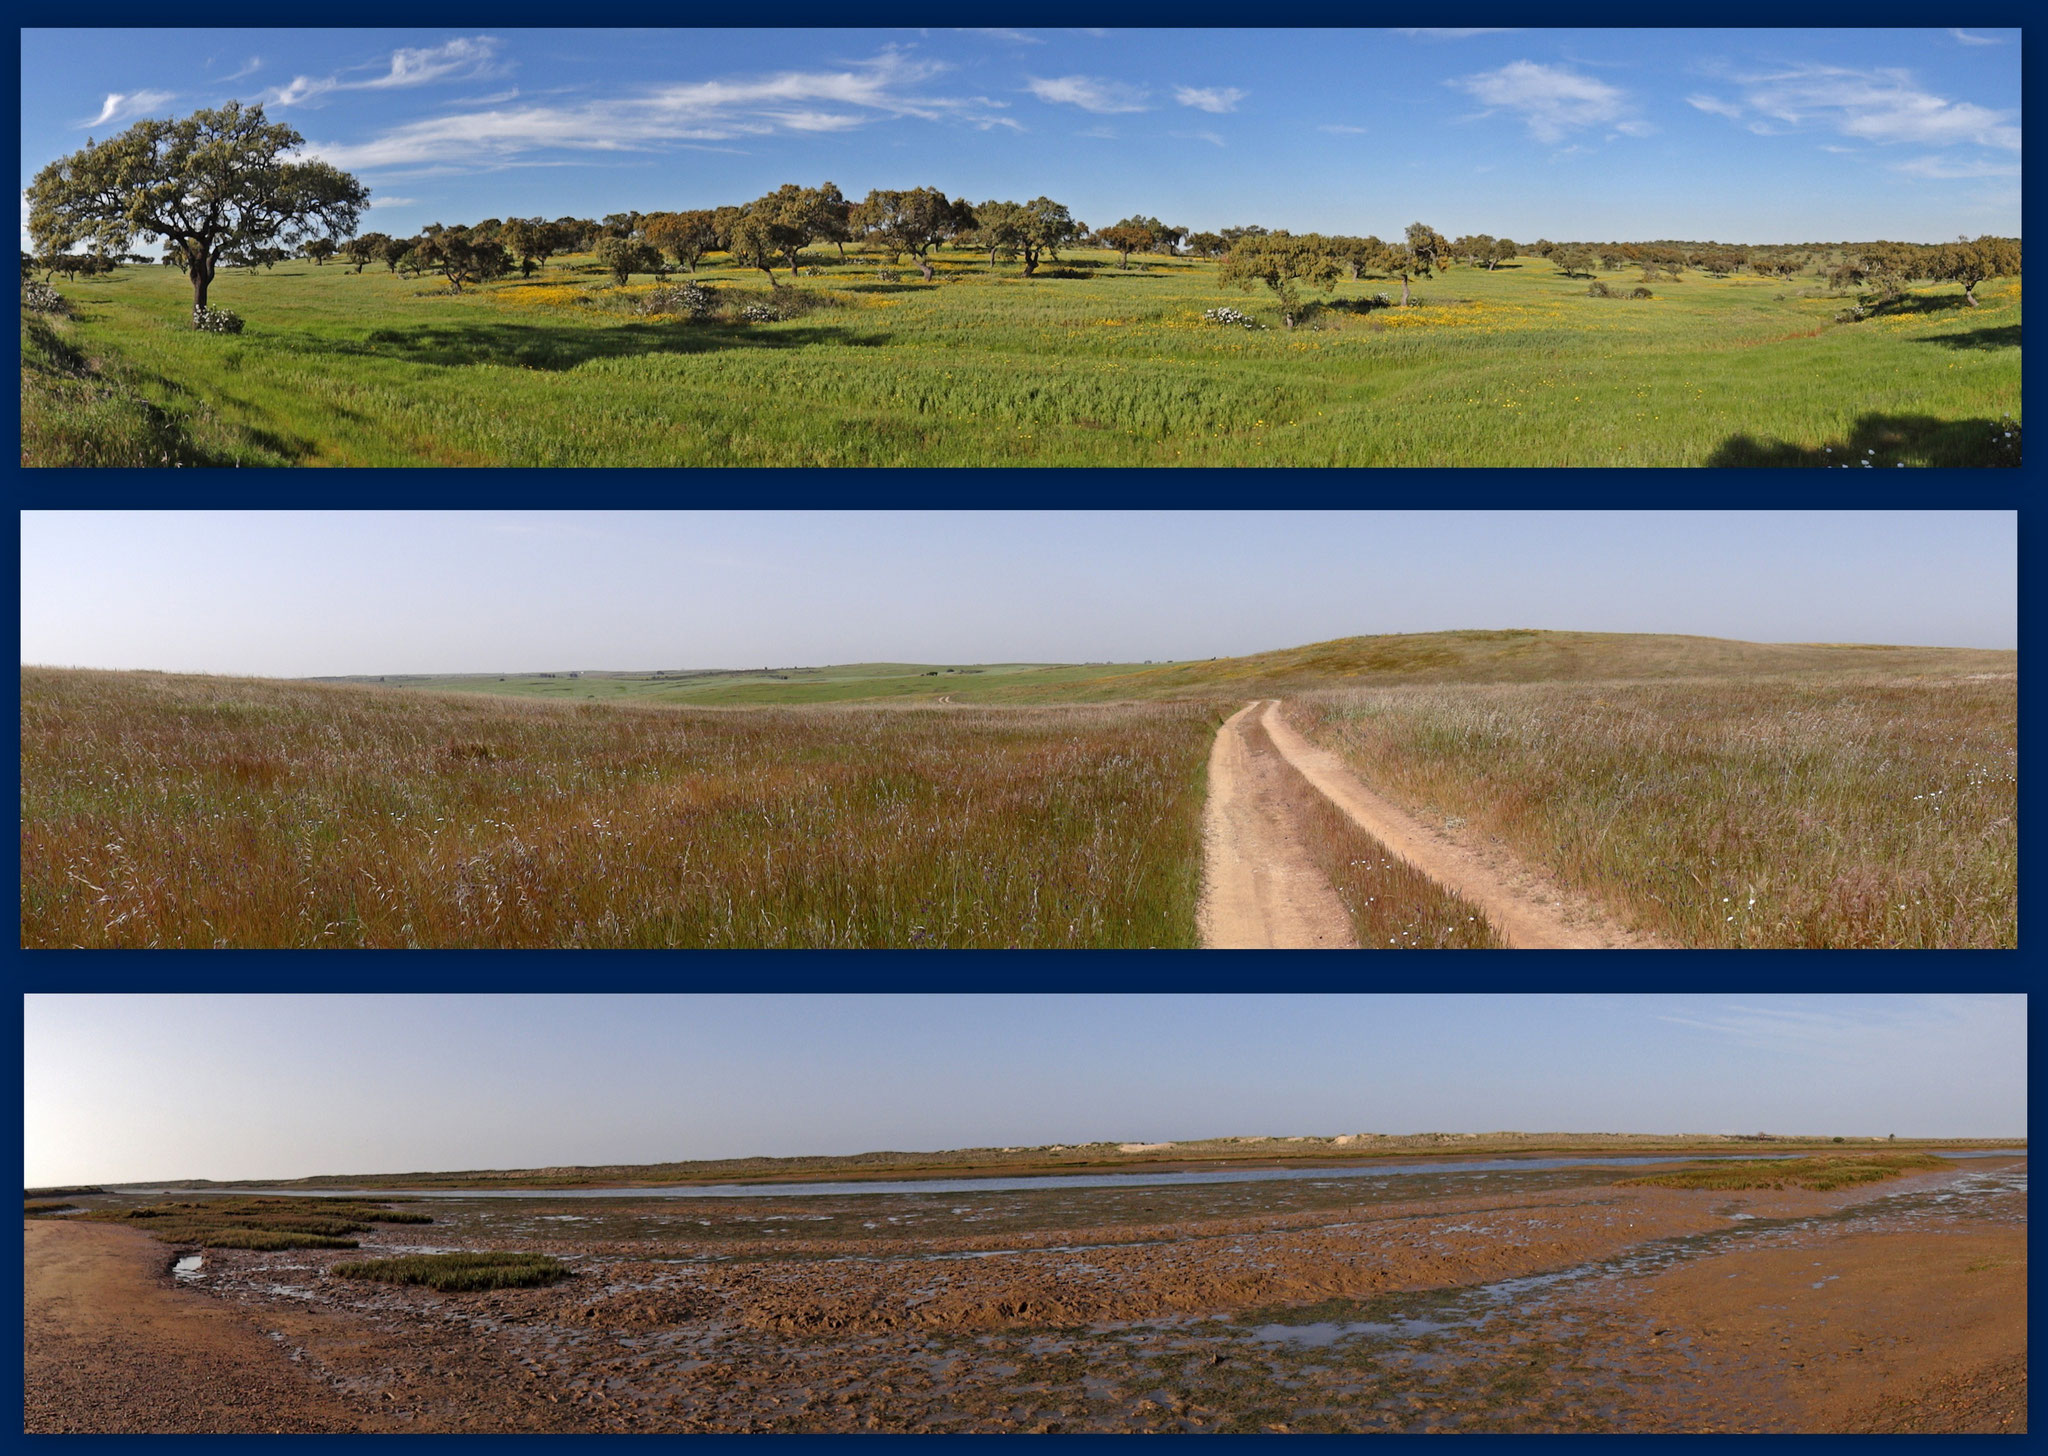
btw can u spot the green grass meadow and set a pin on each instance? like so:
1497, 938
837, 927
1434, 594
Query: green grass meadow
1518, 366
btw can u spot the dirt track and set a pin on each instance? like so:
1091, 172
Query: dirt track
1259, 890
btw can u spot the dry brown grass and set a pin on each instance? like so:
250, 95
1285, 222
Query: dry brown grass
1840, 811
162, 810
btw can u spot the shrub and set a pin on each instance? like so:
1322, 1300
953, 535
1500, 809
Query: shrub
761, 313
215, 320
693, 300
1598, 290
42, 298
32, 1209
888, 275
1641, 293
1230, 317
460, 1272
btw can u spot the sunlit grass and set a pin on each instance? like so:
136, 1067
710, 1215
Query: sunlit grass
1511, 367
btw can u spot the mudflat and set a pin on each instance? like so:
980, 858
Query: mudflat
1549, 1299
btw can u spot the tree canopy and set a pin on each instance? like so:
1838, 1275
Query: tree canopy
219, 184
1973, 262
1043, 228
684, 236
1132, 235
913, 222
1285, 263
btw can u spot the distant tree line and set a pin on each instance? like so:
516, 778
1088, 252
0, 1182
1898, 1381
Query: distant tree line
226, 188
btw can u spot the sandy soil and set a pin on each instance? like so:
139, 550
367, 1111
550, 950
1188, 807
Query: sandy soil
1248, 865
1817, 1332
1260, 888
111, 1345
1509, 1302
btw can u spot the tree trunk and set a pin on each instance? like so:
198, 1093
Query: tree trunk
924, 266
1030, 262
201, 276
842, 250
1354, 272
1404, 290
1969, 295
771, 276
1126, 263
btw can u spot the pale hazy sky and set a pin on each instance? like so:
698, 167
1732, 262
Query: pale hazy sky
307, 593
129, 1088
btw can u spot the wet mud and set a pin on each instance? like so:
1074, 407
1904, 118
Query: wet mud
1544, 1300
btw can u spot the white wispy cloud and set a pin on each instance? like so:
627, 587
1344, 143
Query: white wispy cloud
1945, 168
1013, 37
1551, 101
1090, 93
675, 115
1868, 1032
123, 105
1883, 105
463, 59
1714, 106
1339, 129
1199, 136
1452, 32
1967, 39
249, 68
1218, 99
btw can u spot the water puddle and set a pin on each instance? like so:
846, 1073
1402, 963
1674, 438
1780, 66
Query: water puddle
1328, 1332
189, 1267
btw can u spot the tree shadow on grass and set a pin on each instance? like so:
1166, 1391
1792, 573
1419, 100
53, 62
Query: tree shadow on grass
2003, 336
1920, 303
1884, 441
537, 346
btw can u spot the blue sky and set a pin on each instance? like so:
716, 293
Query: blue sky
127, 1088
1760, 135
306, 593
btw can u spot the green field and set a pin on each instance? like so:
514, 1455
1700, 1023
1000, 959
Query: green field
1517, 366
1505, 656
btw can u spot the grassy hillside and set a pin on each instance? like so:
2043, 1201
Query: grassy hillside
1423, 657
1101, 366
743, 687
